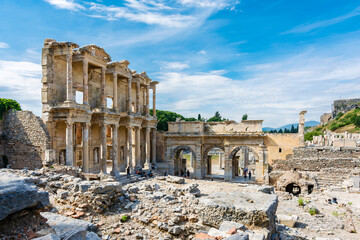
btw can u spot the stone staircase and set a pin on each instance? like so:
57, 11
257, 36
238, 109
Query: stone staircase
332, 179
124, 180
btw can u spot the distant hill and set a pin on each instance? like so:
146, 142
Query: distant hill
288, 126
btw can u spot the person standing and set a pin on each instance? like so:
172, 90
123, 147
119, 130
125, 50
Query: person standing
128, 172
249, 175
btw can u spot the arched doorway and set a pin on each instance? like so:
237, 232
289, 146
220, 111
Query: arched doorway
182, 161
243, 162
213, 162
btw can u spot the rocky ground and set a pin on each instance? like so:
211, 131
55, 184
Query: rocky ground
178, 208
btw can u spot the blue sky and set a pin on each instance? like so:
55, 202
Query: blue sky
269, 59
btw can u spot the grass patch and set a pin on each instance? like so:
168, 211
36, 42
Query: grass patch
335, 214
301, 202
312, 211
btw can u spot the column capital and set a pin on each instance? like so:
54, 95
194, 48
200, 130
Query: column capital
69, 122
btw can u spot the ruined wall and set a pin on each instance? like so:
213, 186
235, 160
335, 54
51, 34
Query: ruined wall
160, 146
344, 106
329, 167
26, 139
2, 145
280, 145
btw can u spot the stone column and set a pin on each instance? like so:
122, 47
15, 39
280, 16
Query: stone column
137, 145
85, 82
115, 91
154, 146
228, 165
147, 100
70, 143
302, 128
103, 149
115, 157
86, 139
69, 79
147, 148
103, 97
129, 146
129, 95
154, 100
138, 96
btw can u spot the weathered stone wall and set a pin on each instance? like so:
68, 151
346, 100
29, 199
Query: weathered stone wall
345, 105
280, 145
160, 147
327, 166
26, 139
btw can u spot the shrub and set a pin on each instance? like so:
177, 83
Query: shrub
310, 135
301, 202
6, 105
334, 126
356, 121
312, 211
124, 218
350, 203
339, 115
335, 213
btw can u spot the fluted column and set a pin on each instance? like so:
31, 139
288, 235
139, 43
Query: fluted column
115, 157
154, 100
137, 145
103, 149
147, 99
129, 148
129, 95
147, 148
115, 91
86, 139
103, 97
138, 97
69, 143
154, 146
69, 79
85, 82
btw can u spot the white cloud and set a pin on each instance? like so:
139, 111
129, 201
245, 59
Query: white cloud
4, 45
202, 52
303, 28
174, 66
66, 4
21, 81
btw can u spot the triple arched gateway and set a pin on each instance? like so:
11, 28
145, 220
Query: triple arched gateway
226, 149
216, 149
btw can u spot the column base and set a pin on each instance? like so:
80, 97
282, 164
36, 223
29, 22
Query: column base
115, 173
147, 166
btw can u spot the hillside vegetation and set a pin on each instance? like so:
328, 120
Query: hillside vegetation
348, 122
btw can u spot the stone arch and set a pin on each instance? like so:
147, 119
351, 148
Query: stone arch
206, 166
233, 164
176, 164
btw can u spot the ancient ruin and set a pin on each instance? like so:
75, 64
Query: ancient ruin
96, 111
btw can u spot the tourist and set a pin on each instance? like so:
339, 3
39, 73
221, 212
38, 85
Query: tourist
188, 173
249, 175
181, 173
128, 172
245, 174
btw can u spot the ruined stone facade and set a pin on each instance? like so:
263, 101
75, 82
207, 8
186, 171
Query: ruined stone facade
96, 111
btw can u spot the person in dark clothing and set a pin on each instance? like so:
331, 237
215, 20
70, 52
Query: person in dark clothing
188, 173
249, 175
128, 172
181, 173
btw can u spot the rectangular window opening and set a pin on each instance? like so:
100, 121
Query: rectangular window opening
109, 102
280, 150
79, 97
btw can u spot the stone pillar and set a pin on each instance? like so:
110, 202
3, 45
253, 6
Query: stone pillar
129, 148
70, 143
147, 148
103, 149
85, 82
103, 96
147, 100
154, 146
129, 95
198, 168
154, 100
86, 139
115, 156
137, 145
228, 165
137, 96
69, 79
302, 128
115, 91
262, 166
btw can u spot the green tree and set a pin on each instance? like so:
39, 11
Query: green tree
199, 117
292, 129
216, 118
280, 131
245, 117
164, 117
6, 105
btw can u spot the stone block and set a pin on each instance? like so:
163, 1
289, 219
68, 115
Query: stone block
287, 220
